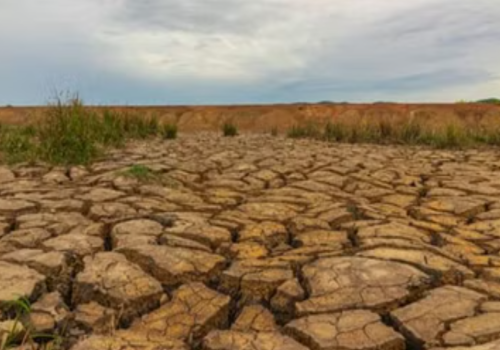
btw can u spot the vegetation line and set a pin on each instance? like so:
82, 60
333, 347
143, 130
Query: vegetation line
72, 134
411, 132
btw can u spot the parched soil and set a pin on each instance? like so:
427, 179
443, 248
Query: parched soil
257, 243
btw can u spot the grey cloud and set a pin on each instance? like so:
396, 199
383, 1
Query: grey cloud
430, 47
206, 17
297, 52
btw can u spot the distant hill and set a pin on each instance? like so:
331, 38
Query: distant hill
490, 100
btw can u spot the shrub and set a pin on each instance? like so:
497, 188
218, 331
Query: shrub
169, 131
229, 130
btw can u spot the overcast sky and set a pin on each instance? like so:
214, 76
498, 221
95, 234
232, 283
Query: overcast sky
249, 51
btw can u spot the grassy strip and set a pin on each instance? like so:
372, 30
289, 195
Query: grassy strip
72, 134
451, 136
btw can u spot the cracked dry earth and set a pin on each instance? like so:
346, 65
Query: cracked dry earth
258, 243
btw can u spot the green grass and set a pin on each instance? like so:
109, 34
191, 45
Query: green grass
229, 130
71, 134
17, 144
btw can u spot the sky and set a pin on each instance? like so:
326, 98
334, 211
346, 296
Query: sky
143, 52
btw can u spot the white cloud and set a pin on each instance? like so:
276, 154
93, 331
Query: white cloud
260, 50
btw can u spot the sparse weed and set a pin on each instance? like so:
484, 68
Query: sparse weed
386, 130
229, 129
491, 137
22, 332
355, 211
140, 172
153, 125
451, 137
411, 133
335, 132
169, 131
274, 132
423, 191
136, 126
310, 130
20, 307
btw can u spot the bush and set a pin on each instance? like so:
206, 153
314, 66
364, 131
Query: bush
229, 130
169, 131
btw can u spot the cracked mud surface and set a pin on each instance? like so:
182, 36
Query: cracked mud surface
258, 243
